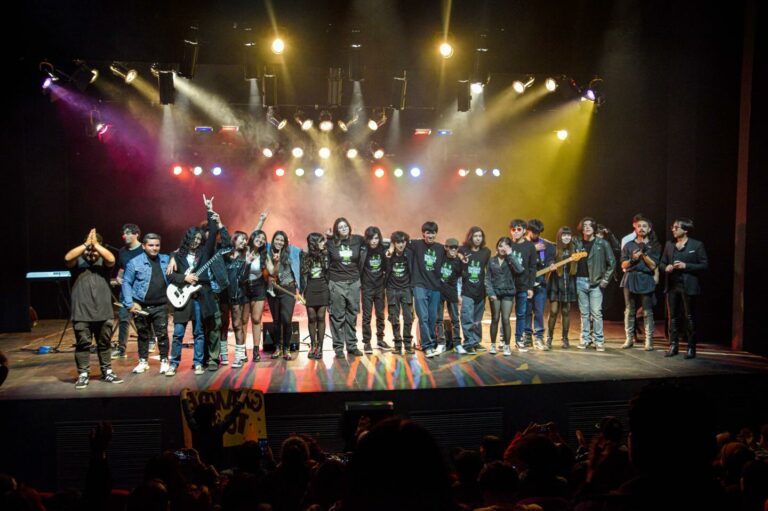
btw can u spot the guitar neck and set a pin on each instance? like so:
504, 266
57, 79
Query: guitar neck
207, 264
557, 265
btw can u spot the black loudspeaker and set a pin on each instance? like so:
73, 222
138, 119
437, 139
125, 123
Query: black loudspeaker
376, 411
269, 344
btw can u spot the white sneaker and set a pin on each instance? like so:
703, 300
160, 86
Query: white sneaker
507, 350
492, 351
460, 349
164, 366
142, 366
440, 349
429, 353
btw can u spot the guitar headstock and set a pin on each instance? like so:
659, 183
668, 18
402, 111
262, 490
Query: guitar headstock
579, 255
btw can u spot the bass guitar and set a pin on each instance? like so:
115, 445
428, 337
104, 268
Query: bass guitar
575, 257
179, 296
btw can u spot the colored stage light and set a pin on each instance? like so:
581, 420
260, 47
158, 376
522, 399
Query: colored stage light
278, 46
444, 132
267, 152
562, 134
177, 170
230, 128
496, 172
319, 172
476, 88
197, 170
398, 172
415, 171
297, 152
279, 171
351, 153
216, 171
324, 152
479, 172
446, 50
128, 75
422, 132
303, 121
299, 172
203, 129
463, 172
379, 172
275, 119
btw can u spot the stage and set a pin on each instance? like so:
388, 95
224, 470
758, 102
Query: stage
458, 398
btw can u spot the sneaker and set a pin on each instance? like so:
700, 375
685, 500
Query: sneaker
152, 346
355, 352
471, 349
213, 366
521, 347
440, 349
82, 381
600, 347
459, 349
397, 349
528, 338
507, 350
339, 353
142, 366
429, 353
199, 369
118, 353
492, 351
409, 350
480, 348
224, 360
238, 362
256, 355
565, 344
539, 344
583, 345
164, 365
111, 377
367, 348
382, 345
171, 371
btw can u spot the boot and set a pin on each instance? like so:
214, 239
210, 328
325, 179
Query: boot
319, 350
691, 353
649, 345
628, 344
277, 353
565, 343
549, 342
673, 349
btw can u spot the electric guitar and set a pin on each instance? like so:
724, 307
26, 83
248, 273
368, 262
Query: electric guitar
575, 257
179, 296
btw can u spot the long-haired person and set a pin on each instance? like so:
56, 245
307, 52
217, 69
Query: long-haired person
234, 301
283, 302
258, 265
561, 287
346, 252
500, 287
475, 256
372, 284
314, 282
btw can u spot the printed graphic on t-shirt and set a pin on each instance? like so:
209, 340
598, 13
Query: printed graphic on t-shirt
345, 253
398, 269
374, 263
430, 258
446, 270
473, 270
518, 257
316, 271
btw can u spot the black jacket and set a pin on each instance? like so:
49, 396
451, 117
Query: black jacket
601, 261
500, 276
695, 258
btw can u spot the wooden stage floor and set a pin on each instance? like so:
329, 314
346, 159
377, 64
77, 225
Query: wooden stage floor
52, 376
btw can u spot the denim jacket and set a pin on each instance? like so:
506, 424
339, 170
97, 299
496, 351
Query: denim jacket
138, 273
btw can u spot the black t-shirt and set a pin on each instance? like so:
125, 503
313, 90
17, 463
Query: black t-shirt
345, 258
427, 260
126, 254
450, 271
399, 273
91, 297
156, 291
373, 269
473, 273
582, 270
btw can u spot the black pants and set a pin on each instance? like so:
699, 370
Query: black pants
564, 308
681, 304
501, 308
373, 298
401, 301
281, 307
316, 324
154, 324
84, 332
455, 333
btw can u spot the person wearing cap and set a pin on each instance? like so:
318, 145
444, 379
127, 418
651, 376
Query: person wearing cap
450, 272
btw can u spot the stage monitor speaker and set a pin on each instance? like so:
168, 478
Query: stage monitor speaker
268, 344
376, 411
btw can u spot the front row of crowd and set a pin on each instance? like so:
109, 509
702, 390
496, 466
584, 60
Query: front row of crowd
229, 276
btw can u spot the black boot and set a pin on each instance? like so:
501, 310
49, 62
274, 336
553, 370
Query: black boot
691, 353
673, 349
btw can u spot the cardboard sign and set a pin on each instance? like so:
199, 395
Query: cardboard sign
250, 424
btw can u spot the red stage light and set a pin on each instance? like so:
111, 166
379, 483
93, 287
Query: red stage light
379, 172
177, 170
280, 172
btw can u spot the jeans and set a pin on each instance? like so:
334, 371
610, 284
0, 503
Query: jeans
373, 299
521, 305
401, 300
534, 310
426, 302
198, 337
455, 333
590, 304
344, 306
157, 320
84, 331
471, 320
630, 309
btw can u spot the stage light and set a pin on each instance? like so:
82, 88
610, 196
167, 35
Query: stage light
479, 172
372, 125
422, 132
216, 171
378, 154
351, 153
375, 150
480, 72
297, 152
496, 172
398, 172
279, 171
250, 55
49, 74
379, 173
446, 50
326, 121
463, 172
118, 69
165, 87
344, 126
299, 172
269, 88
303, 121
277, 46
415, 171
562, 134
521, 86
444, 132
319, 172
230, 128
324, 153
267, 152
197, 170
377, 120
355, 64
188, 64
177, 170
275, 119
203, 129
476, 88
397, 96
550, 84
463, 96
83, 75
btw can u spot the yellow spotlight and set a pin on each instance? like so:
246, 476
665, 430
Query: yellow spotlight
551, 84
372, 125
278, 46
324, 152
520, 86
299, 172
562, 134
446, 50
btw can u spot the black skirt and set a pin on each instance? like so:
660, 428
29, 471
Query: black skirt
316, 293
256, 290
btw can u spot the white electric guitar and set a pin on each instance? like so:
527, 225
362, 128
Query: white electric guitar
179, 296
